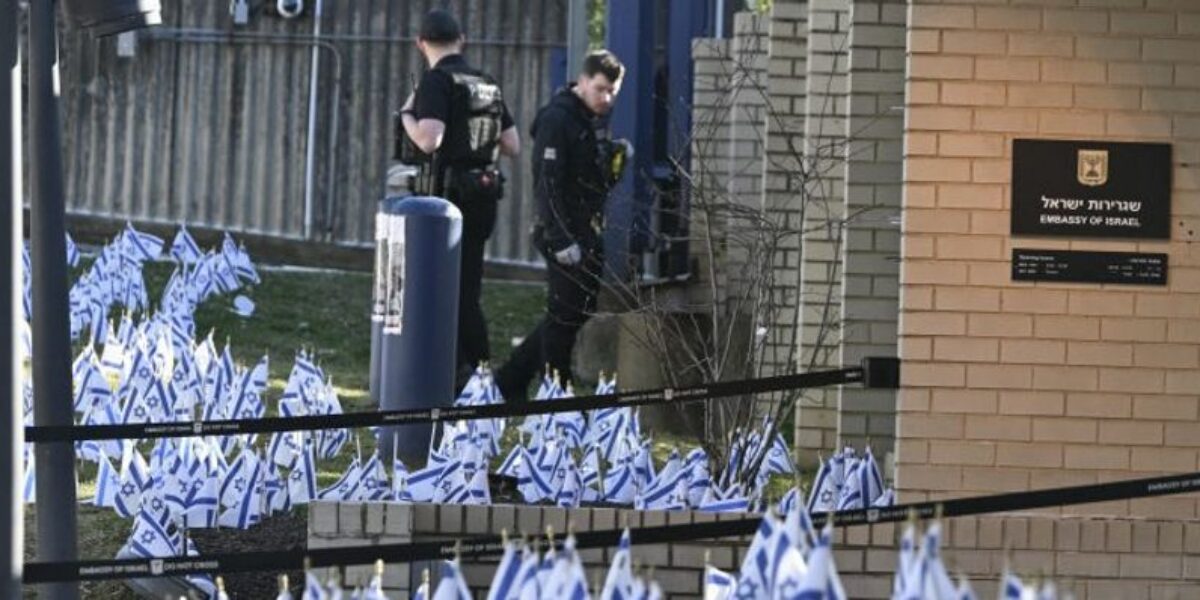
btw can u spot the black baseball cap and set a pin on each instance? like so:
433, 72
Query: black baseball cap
439, 26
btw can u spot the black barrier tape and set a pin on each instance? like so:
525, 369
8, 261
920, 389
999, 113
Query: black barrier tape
292, 560
724, 389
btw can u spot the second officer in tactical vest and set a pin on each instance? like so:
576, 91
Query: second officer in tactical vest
455, 126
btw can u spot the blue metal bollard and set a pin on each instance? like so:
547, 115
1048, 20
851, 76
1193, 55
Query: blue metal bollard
419, 332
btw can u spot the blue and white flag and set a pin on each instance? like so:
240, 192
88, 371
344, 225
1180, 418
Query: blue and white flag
528, 585
758, 568
907, 582
184, 249
452, 484
302, 481
477, 488
569, 493
827, 488
712, 504
150, 538
374, 486
346, 488
505, 585
1011, 587
643, 467
400, 491
619, 486
241, 493
718, 585
618, 584
966, 592
29, 484
108, 483
135, 479
140, 246
790, 573
423, 483
275, 491
938, 583
285, 447
452, 586
72, 252
202, 503
313, 590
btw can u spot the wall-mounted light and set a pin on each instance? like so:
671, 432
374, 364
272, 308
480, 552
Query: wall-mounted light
109, 17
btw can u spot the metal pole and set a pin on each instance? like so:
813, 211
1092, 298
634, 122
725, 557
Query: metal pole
310, 150
578, 40
51, 338
12, 434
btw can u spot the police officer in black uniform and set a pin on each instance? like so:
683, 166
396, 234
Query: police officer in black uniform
455, 126
575, 164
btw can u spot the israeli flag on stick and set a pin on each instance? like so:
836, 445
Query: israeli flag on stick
150, 538
345, 488
423, 483
452, 586
108, 482
135, 479
313, 590
302, 481
184, 249
504, 583
718, 585
618, 585
244, 486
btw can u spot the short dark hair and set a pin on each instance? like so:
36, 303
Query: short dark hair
605, 63
440, 27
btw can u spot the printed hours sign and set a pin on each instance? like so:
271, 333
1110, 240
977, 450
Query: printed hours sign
1091, 189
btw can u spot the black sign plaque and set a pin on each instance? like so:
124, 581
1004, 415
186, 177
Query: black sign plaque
1089, 267
1091, 189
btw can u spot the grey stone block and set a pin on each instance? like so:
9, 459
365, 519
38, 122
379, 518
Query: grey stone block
477, 520
323, 517
529, 520
398, 520
375, 518
350, 518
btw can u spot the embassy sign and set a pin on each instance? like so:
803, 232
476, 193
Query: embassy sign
1091, 189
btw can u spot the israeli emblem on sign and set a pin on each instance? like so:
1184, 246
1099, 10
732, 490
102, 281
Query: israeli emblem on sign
668, 395
1092, 169
435, 414
156, 567
872, 515
197, 428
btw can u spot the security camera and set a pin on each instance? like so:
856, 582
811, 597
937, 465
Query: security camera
290, 9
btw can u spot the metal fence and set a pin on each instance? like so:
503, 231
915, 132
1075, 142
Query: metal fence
208, 123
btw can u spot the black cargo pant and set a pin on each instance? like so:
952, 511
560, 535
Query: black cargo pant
479, 219
570, 301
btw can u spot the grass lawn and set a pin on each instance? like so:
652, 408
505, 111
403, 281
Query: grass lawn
325, 312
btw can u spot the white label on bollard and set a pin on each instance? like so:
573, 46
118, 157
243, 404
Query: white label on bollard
393, 318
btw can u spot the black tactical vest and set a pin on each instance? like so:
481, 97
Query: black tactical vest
472, 136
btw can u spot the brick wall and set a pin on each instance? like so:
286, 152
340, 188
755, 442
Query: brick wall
1017, 385
871, 251
824, 209
782, 184
1096, 558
